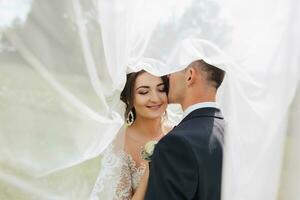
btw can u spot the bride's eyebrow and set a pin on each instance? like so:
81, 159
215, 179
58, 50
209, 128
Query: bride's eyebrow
147, 87
143, 86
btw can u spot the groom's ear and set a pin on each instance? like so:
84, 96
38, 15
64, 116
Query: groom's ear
191, 74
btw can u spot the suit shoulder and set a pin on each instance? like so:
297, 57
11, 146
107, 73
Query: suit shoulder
202, 133
204, 125
173, 138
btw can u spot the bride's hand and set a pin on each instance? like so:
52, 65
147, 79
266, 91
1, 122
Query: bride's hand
141, 190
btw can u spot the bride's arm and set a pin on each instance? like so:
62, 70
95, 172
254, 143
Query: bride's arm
141, 190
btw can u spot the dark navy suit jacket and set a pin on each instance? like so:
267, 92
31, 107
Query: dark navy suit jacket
187, 162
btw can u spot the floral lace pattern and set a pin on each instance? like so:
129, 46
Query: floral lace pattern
119, 176
135, 171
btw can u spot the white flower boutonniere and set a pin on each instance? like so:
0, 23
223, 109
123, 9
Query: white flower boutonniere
148, 150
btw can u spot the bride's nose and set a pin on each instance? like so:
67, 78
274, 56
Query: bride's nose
154, 97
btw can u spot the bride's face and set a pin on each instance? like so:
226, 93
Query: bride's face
150, 97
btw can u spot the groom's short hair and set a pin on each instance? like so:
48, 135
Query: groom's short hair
213, 74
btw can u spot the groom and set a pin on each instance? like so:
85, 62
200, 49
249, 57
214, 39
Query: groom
187, 162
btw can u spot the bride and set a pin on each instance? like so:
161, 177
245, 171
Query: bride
124, 174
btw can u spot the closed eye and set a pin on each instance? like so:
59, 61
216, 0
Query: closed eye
143, 92
161, 88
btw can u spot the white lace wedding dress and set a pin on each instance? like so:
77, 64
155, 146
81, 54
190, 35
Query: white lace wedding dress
119, 176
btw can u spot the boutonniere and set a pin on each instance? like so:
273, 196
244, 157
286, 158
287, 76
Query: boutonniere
148, 150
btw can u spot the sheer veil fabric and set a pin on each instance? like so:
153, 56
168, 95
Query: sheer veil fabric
64, 64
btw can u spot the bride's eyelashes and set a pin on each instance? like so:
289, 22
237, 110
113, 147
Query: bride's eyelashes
161, 89
142, 92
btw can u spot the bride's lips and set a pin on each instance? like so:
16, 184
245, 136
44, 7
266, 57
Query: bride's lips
154, 107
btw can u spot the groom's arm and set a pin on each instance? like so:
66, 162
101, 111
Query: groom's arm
173, 171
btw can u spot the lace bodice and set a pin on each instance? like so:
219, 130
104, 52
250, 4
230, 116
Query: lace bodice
131, 176
119, 177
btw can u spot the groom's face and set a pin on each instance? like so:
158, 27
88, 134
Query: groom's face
177, 87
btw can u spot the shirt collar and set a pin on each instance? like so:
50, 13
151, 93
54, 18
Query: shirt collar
199, 105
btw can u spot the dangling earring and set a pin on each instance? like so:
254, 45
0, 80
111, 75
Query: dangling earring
130, 118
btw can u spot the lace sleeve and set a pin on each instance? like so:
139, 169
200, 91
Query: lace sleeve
124, 189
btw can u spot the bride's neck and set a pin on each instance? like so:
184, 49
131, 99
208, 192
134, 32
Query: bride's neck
149, 127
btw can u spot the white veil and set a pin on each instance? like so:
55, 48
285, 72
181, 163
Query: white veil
64, 64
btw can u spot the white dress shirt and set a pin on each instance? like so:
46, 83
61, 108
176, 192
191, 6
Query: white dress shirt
199, 105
